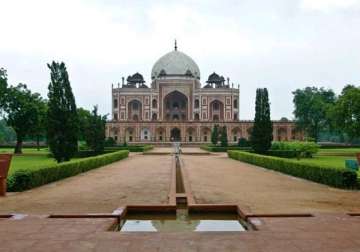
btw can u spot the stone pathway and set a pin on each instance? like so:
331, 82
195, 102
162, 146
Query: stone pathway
138, 179
219, 179
144, 179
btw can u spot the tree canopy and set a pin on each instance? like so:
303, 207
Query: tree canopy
261, 134
95, 131
311, 109
345, 114
23, 112
62, 114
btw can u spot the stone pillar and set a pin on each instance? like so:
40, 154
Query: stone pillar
275, 133
288, 131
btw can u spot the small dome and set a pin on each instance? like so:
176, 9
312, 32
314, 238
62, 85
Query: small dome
175, 63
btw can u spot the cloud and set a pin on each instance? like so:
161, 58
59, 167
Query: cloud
329, 6
280, 44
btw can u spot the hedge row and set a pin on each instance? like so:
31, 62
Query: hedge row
337, 177
25, 179
223, 149
283, 153
131, 148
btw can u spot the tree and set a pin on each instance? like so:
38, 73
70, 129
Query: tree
7, 134
223, 137
95, 131
22, 112
3, 88
39, 130
62, 115
215, 134
346, 112
311, 109
261, 134
83, 115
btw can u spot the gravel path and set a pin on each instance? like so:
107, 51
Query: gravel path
219, 179
138, 179
145, 179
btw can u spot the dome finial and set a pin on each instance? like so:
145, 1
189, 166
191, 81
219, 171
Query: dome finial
175, 45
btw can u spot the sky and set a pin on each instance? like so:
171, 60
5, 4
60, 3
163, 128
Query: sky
282, 45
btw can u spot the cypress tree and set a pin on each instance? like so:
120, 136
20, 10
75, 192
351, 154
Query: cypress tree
62, 114
95, 131
215, 134
223, 138
261, 135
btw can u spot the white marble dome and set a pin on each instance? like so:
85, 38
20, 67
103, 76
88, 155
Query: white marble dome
175, 63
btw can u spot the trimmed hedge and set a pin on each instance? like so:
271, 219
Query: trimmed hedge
283, 153
131, 148
26, 179
214, 148
337, 177
304, 149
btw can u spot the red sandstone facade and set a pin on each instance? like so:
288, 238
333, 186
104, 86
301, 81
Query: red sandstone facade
177, 107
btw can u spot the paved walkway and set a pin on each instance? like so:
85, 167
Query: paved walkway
144, 179
138, 179
219, 179
337, 233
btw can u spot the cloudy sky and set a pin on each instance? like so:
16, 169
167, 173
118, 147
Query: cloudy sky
279, 44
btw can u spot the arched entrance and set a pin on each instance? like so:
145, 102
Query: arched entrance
175, 135
175, 106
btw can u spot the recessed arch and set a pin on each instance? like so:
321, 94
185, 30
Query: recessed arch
135, 110
176, 106
175, 134
217, 110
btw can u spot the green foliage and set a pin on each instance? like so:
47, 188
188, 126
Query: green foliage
214, 148
131, 148
215, 134
95, 131
83, 115
311, 109
243, 142
7, 134
223, 137
110, 142
3, 88
283, 153
63, 124
261, 134
346, 112
24, 112
337, 177
304, 149
25, 179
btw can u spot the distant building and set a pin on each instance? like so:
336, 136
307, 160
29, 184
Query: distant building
178, 108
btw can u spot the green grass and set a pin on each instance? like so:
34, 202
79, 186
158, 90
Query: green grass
348, 152
333, 161
30, 159
332, 157
26, 150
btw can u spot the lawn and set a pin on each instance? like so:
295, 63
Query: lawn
30, 159
332, 157
345, 152
329, 161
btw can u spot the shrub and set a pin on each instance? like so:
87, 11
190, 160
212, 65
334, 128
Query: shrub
223, 137
243, 142
305, 149
110, 142
283, 153
131, 148
337, 177
26, 179
214, 148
